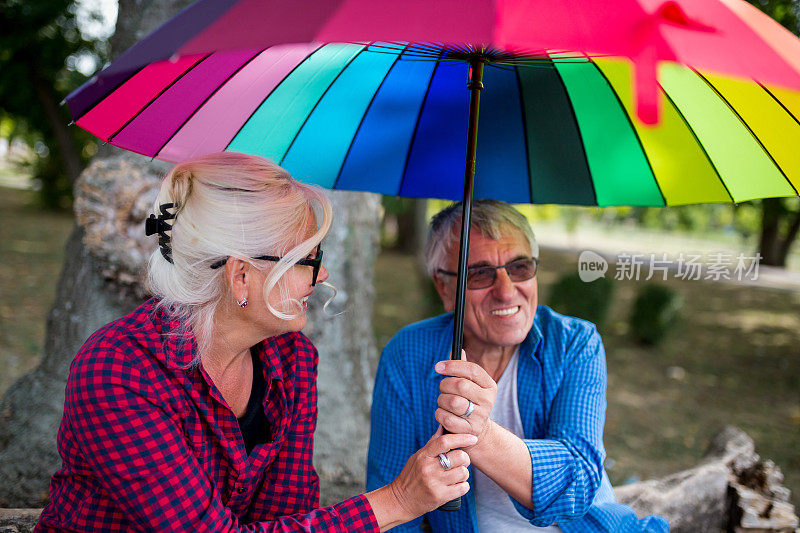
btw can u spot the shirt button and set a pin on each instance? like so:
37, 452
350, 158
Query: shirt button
240, 490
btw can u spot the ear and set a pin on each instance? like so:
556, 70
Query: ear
446, 290
237, 273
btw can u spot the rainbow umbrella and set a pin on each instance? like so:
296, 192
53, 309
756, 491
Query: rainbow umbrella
564, 84
384, 118
586, 102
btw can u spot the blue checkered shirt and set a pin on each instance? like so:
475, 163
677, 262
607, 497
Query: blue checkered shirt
561, 392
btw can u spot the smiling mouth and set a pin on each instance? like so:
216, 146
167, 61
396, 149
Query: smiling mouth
508, 311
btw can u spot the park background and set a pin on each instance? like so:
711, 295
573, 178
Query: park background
731, 356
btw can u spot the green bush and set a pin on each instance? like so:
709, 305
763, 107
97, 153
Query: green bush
590, 301
656, 312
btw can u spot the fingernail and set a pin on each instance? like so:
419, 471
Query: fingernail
439, 366
473, 439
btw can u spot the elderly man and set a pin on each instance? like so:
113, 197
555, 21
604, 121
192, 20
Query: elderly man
531, 388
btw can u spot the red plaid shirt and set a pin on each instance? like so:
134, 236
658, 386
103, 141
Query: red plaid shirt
148, 444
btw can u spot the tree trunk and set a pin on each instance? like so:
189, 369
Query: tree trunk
412, 226
770, 234
791, 234
779, 228
65, 143
346, 344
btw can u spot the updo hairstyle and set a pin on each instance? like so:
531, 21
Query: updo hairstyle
231, 205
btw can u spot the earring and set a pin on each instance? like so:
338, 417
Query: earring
243, 303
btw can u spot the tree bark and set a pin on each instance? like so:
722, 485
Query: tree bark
346, 344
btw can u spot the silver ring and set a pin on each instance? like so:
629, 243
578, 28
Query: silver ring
469, 410
444, 461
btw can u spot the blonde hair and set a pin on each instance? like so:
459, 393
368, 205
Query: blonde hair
230, 204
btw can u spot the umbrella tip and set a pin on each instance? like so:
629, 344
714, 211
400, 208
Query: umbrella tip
71, 123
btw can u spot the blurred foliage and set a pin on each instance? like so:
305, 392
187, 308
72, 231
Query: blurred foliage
41, 47
786, 12
590, 301
656, 312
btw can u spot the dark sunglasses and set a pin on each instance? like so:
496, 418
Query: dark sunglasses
316, 263
482, 277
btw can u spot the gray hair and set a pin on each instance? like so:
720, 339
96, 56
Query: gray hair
493, 218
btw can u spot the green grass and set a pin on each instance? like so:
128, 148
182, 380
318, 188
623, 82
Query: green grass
737, 347
31, 252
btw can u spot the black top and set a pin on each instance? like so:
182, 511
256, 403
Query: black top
253, 423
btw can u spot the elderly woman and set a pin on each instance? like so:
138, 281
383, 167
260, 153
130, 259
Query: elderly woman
196, 412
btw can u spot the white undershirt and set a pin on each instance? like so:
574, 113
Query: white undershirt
495, 511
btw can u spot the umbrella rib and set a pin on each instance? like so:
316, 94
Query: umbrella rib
361, 122
424, 48
156, 97
316, 104
416, 126
105, 95
525, 133
633, 129
796, 119
746, 125
700, 144
244, 123
578, 128
205, 100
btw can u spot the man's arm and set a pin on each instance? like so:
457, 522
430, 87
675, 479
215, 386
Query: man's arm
550, 479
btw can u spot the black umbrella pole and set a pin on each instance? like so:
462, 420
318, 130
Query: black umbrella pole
475, 85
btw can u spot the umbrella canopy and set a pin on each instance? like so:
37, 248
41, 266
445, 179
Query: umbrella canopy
393, 119
723, 36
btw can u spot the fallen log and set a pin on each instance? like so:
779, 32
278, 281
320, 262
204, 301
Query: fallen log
732, 490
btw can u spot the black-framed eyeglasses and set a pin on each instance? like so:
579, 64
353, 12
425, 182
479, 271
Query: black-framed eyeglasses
482, 277
315, 263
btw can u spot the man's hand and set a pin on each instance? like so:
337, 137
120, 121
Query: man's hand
499, 454
466, 382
